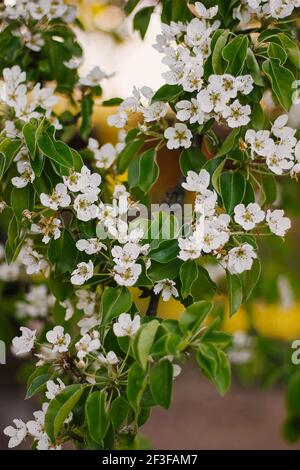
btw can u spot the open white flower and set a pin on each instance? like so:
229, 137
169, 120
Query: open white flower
93, 78
277, 223
53, 388
248, 216
90, 246
58, 198
178, 136
16, 434
59, 339
126, 255
24, 343
105, 156
190, 248
125, 326
49, 227
197, 182
240, 259
86, 301
82, 273
84, 206
33, 261
260, 142
87, 344
110, 359
127, 276
236, 114
167, 289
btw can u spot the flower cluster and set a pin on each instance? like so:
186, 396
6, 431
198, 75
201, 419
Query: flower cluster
278, 148
212, 229
278, 9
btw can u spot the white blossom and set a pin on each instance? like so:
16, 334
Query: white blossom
59, 339
16, 434
167, 289
125, 326
87, 344
53, 388
90, 246
248, 216
178, 136
277, 223
58, 198
82, 273
24, 343
240, 259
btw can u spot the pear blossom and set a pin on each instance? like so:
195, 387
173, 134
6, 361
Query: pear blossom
240, 259
82, 273
167, 289
93, 78
125, 256
84, 206
53, 388
26, 176
33, 261
58, 198
125, 326
87, 344
59, 339
277, 223
190, 248
86, 301
248, 216
105, 156
260, 142
178, 136
197, 182
127, 276
24, 343
49, 227
90, 246
110, 358
16, 434
236, 114
190, 111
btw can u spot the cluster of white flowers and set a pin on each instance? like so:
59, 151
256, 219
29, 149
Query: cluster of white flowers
139, 102
25, 102
106, 155
251, 9
38, 10
278, 148
35, 428
37, 303
212, 231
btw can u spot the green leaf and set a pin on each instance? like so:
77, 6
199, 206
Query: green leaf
57, 151
141, 20
193, 316
277, 52
232, 186
136, 385
143, 342
148, 170
128, 153
114, 301
130, 6
249, 279
235, 54
235, 293
215, 365
63, 252
97, 416
60, 408
21, 199
8, 150
167, 93
230, 143
281, 81
161, 383
29, 132
188, 275
86, 111
37, 385
217, 52
254, 68
119, 411
291, 48
191, 160
166, 252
